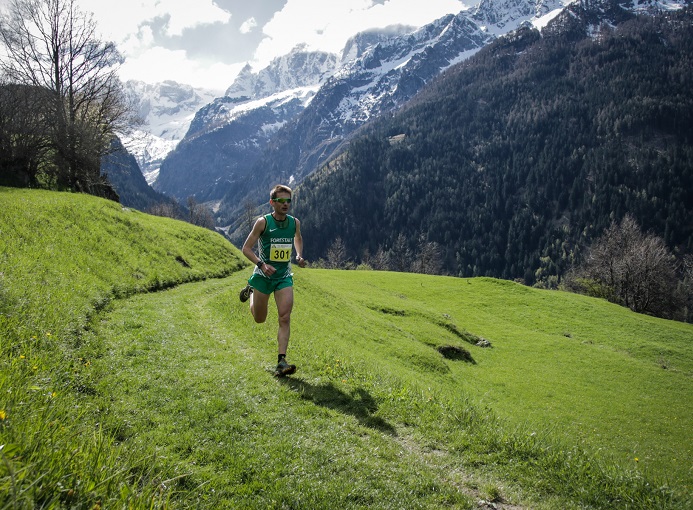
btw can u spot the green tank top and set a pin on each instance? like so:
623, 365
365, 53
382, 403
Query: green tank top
276, 243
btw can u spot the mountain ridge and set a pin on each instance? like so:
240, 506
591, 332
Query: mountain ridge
388, 69
235, 152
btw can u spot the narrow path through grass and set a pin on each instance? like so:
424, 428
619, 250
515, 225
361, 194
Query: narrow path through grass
189, 377
374, 417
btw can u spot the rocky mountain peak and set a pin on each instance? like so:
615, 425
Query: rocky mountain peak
298, 68
357, 45
501, 16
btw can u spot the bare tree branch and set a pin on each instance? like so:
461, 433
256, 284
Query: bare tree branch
633, 269
52, 45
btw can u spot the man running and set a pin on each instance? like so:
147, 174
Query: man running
276, 233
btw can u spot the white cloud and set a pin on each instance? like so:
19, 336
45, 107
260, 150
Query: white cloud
140, 29
190, 14
129, 24
158, 64
118, 19
248, 25
137, 42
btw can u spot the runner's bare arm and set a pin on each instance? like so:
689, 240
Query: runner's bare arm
298, 243
251, 241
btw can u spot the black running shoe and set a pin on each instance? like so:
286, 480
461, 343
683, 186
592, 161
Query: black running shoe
245, 293
283, 368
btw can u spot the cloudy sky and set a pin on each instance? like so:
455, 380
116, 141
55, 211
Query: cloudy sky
206, 42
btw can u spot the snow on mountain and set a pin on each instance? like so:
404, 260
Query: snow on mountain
499, 17
653, 6
228, 134
225, 110
330, 97
296, 75
383, 67
297, 69
289, 118
389, 67
357, 45
394, 68
222, 144
166, 109
380, 69
149, 151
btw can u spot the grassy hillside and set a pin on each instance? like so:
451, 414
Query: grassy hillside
617, 380
117, 396
64, 257
73, 253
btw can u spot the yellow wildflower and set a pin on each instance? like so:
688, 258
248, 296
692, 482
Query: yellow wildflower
3, 414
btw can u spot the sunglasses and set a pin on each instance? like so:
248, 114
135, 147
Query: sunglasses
282, 200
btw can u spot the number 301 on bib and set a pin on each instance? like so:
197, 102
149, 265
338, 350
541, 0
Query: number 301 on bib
280, 252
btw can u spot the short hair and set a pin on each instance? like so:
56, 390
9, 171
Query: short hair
279, 188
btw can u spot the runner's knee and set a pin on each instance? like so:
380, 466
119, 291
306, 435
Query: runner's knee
285, 318
258, 316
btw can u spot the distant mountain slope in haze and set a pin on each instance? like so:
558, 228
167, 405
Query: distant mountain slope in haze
228, 135
214, 160
166, 109
124, 173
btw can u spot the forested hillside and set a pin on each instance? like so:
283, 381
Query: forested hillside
513, 161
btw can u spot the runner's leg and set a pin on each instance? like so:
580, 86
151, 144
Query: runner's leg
285, 303
258, 305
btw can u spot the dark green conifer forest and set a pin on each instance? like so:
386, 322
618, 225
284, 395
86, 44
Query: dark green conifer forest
512, 162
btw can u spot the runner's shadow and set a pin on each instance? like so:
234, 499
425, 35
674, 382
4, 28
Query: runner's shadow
360, 404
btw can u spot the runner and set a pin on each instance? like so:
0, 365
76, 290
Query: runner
276, 233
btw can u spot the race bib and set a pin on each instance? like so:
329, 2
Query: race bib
280, 252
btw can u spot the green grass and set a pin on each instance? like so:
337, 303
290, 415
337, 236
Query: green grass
585, 368
63, 258
119, 396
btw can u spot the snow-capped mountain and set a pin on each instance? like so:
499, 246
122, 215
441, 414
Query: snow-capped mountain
296, 75
166, 109
283, 122
255, 107
331, 96
300, 68
224, 140
385, 76
499, 17
228, 135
